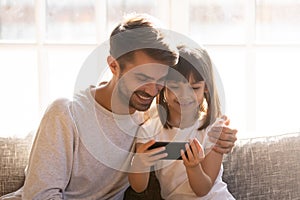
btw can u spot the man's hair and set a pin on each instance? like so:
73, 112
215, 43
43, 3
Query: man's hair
141, 32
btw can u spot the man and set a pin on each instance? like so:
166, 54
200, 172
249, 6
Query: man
83, 147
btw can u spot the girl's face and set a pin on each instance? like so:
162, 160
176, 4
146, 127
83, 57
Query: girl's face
184, 96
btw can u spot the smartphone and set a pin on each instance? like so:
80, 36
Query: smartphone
172, 148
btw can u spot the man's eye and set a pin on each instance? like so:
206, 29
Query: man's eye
173, 86
196, 88
161, 82
142, 79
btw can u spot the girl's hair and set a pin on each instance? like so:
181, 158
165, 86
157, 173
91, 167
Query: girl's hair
195, 63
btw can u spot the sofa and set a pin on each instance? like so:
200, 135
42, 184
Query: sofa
257, 168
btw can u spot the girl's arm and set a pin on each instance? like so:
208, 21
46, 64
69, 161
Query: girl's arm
212, 164
141, 163
201, 170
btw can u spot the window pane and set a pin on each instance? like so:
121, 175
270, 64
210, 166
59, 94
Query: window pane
230, 64
117, 8
70, 21
19, 103
218, 21
278, 94
278, 21
64, 65
17, 20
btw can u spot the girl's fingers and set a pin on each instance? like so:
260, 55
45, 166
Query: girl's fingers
193, 148
200, 151
183, 156
189, 152
198, 145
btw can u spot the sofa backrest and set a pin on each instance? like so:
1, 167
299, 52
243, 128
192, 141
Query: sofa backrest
264, 168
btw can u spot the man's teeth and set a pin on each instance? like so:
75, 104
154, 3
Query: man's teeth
184, 103
145, 98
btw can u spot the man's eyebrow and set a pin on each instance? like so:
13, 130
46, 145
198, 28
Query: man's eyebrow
163, 78
144, 76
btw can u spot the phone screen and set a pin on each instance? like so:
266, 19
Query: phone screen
172, 148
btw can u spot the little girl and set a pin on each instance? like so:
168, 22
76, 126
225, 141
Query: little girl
187, 109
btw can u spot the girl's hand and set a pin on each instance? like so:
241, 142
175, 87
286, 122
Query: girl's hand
144, 158
195, 154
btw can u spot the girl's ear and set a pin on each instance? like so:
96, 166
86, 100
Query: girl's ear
205, 89
113, 65
206, 96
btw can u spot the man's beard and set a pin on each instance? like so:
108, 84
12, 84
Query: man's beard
132, 99
136, 105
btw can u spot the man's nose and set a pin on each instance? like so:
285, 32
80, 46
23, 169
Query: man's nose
153, 88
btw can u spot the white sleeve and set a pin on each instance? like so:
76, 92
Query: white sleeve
51, 156
143, 135
148, 130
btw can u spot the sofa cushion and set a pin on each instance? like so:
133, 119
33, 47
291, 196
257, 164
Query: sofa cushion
13, 160
259, 168
264, 168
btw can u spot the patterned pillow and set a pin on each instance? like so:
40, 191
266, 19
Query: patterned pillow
264, 168
14, 153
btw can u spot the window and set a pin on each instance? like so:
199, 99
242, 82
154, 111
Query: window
19, 89
70, 21
207, 18
17, 21
277, 21
254, 45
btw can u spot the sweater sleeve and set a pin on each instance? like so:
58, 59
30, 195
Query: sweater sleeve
51, 156
149, 130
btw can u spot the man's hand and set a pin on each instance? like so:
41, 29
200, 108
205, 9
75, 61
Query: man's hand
224, 137
144, 158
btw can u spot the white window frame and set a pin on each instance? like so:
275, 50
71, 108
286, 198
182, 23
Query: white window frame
177, 22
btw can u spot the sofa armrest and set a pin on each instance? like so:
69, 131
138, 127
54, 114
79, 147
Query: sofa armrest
14, 153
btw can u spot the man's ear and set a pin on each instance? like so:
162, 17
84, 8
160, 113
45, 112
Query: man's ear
113, 65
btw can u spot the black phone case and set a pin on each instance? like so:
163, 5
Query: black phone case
172, 148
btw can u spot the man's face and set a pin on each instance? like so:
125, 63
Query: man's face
140, 81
